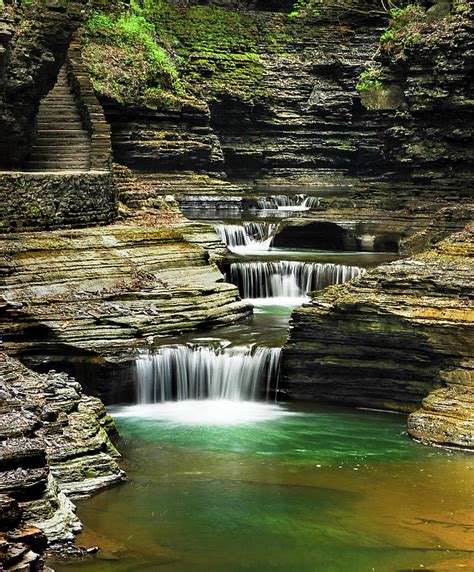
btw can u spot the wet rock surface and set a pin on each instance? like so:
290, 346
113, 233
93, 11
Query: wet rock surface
390, 338
54, 441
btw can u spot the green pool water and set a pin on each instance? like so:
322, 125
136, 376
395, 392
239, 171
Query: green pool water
278, 488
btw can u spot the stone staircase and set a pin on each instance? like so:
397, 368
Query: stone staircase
62, 143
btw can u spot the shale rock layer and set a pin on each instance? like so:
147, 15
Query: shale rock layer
109, 289
392, 336
54, 441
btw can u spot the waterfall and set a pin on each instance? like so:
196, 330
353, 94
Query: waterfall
251, 235
298, 202
286, 279
206, 372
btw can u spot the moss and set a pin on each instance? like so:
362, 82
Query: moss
158, 53
406, 26
125, 59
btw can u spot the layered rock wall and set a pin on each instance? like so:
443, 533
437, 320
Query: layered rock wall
160, 140
390, 337
109, 289
280, 89
54, 444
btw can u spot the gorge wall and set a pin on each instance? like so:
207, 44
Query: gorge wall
33, 42
248, 91
265, 93
54, 441
389, 338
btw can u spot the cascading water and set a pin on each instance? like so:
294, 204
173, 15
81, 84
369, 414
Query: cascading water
288, 202
286, 279
250, 235
206, 372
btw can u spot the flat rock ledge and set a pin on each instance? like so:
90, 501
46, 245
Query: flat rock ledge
54, 445
397, 338
109, 289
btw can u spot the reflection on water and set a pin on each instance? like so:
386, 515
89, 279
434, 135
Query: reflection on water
315, 489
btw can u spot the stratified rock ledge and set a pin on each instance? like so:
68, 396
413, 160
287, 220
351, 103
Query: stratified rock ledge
396, 338
54, 444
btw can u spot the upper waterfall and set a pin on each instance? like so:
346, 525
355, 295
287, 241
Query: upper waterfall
250, 235
286, 279
297, 202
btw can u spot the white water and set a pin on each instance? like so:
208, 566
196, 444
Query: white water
288, 202
250, 236
205, 412
286, 279
196, 372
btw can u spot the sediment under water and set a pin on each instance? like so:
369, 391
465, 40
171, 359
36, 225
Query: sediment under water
286, 488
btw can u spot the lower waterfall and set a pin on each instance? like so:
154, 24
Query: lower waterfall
252, 235
188, 372
286, 279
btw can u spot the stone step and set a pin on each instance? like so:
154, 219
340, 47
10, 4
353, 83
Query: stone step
66, 96
57, 166
44, 156
59, 116
51, 144
65, 141
59, 90
55, 109
60, 145
44, 152
63, 125
60, 100
70, 133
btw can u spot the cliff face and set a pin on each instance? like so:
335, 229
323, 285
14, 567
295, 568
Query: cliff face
390, 337
272, 97
427, 81
265, 91
34, 38
54, 444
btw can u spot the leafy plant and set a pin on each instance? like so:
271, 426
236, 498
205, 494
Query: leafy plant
370, 78
406, 26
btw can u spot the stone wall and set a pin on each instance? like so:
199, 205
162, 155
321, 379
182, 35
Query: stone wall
38, 201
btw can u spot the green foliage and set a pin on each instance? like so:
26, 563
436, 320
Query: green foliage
156, 48
370, 78
306, 7
125, 58
406, 27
